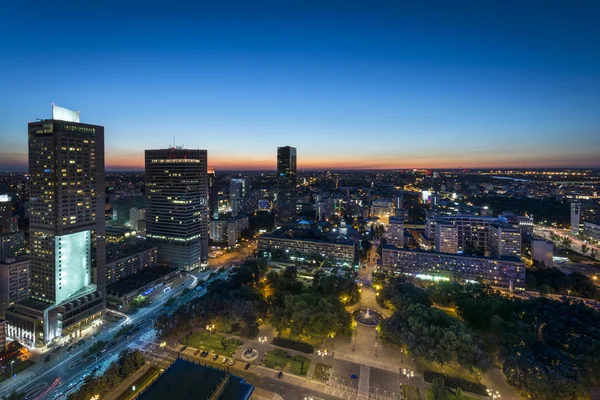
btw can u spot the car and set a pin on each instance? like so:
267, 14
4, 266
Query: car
224, 360
204, 354
280, 374
48, 357
352, 376
183, 349
231, 362
247, 366
216, 357
196, 352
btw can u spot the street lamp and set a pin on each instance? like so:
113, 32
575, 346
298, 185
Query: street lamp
262, 339
322, 353
11, 367
375, 349
210, 328
494, 394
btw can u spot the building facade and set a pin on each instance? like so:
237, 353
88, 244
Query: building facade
395, 231
6, 217
125, 260
446, 238
14, 282
506, 272
213, 194
12, 245
503, 240
342, 252
286, 184
66, 166
582, 213
591, 230
177, 206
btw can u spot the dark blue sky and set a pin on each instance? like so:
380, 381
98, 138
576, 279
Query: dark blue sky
350, 84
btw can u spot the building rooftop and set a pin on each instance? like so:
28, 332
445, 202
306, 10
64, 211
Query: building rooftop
307, 235
188, 380
138, 280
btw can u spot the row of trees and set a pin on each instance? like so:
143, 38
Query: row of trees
554, 281
549, 347
127, 363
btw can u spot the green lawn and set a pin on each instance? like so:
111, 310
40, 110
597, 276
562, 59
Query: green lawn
322, 372
284, 361
410, 392
203, 340
451, 396
17, 367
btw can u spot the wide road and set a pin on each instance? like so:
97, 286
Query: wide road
71, 367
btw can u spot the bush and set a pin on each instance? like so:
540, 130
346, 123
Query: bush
456, 383
294, 345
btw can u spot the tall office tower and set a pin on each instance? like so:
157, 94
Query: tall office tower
177, 206
286, 184
446, 238
6, 217
213, 194
503, 240
66, 166
238, 196
582, 213
398, 206
395, 232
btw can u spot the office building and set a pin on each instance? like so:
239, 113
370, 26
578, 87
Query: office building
177, 206
218, 230
14, 282
239, 191
286, 184
121, 209
446, 238
591, 230
12, 245
471, 230
395, 231
66, 166
539, 250
506, 272
213, 194
135, 216
6, 217
582, 213
503, 240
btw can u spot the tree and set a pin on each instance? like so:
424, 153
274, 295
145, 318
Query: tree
567, 242
439, 389
584, 248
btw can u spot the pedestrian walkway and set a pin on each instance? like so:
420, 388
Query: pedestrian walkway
363, 380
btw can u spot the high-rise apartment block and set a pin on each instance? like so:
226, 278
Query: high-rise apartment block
177, 206
12, 245
238, 196
66, 186
446, 237
135, 216
14, 282
395, 232
503, 240
582, 213
6, 218
286, 184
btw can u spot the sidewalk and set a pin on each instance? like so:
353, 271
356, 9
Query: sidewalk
126, 385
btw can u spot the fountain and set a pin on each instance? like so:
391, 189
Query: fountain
367, 317
250, 354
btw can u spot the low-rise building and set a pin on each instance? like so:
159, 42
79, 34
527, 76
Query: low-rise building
591, 230
505, 272
284, 244
142, 283
125, 259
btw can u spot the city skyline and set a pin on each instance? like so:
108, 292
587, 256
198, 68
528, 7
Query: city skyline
383, 86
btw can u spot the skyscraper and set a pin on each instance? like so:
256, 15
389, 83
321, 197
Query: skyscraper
213, 194
238, 196
6, 217
286, 184
66, 166
177, 206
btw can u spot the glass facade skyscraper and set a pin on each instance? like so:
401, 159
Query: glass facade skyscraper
286, 184
177, 206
